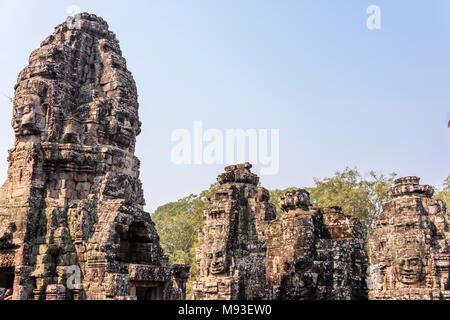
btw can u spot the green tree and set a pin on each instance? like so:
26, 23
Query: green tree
178, 224
444, 195
358, 196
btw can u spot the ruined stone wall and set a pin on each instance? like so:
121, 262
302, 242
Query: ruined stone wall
73, 198
409, 248
231, 251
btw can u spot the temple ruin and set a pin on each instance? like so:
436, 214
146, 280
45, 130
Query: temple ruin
409, 249
244, 252
320, 253
72, 223
315, 254
231, 251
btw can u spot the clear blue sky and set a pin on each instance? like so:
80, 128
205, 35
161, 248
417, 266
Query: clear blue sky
340, 94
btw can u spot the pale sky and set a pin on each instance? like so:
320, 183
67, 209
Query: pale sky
340, 94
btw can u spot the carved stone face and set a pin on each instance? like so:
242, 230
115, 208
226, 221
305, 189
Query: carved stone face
218, 261
124, 127
294, 199
409, 267
28, 119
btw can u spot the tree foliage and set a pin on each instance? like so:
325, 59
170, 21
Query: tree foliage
178, 224
444, 195
359, 196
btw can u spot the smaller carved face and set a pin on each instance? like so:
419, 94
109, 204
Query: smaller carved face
218, 261
294, 199
409, 267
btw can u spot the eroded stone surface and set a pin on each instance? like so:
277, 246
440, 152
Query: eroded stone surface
73, 198
244, 252
409, 249
315, 253
231, 251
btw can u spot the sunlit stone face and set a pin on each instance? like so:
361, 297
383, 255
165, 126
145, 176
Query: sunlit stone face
409, 267
218, 261
28, 118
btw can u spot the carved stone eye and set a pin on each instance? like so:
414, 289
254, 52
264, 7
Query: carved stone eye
413, 262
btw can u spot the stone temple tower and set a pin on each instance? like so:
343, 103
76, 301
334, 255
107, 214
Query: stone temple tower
409, 248
315, 254
231, 252
72, 224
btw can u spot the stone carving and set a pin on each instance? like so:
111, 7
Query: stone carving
73, 198
73, 225
231, 251
409, 250
245, 253
315, 253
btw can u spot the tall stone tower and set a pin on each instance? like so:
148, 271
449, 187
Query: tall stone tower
72, 224
231, 251
409, 248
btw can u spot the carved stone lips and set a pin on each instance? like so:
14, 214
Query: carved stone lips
217, 269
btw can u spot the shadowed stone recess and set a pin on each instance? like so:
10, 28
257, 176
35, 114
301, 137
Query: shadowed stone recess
73, 202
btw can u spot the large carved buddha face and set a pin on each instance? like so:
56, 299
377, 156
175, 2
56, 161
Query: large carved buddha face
217, 261
409, 267
28, 118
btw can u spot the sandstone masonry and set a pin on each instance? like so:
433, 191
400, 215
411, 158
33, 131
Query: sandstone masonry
315, 254
73, 225
231, 251
409, 249
72, 204
246, 253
